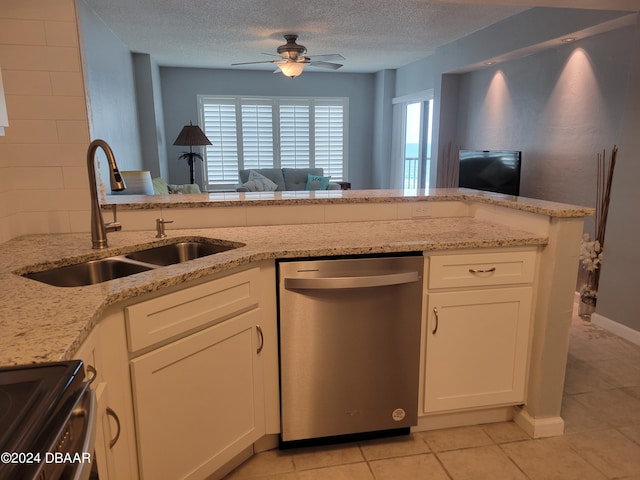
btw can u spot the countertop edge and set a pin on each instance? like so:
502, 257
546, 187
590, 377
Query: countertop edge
341, 197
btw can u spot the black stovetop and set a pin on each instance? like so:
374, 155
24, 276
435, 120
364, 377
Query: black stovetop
33, 399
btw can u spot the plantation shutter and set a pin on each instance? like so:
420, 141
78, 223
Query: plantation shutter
257, 134
295, 144
329, 139
220, 128
264, 132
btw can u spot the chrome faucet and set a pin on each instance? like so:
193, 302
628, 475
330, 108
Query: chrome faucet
98, 228
160, 223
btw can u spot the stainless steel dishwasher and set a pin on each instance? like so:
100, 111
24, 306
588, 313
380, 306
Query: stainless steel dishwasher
349, 345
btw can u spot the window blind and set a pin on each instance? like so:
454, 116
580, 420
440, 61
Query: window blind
265, 132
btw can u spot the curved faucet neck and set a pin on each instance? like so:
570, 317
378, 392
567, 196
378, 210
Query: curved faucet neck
98, 228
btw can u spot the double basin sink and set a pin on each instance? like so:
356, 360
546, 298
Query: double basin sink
97, 271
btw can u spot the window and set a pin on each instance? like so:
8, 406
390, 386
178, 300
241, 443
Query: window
281, 132
413, 118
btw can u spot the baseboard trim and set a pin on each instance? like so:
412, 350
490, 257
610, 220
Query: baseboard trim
619, 329
463, 419
538, 427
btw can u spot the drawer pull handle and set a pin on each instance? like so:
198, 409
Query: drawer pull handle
486, 270
261, 335
114, 415
435, 312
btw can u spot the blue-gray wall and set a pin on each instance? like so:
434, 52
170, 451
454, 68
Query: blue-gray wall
560, 106
180, 87
150, 115
109, 84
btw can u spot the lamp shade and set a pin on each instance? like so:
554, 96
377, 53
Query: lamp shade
192, 135
292, 69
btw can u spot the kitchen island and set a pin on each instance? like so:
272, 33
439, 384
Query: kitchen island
40, 322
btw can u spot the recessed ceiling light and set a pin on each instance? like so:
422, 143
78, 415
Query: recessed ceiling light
568, 39
490, 62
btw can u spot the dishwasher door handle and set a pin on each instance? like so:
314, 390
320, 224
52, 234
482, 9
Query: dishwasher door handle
336, 283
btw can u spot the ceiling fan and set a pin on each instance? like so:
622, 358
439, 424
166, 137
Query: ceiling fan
294, 58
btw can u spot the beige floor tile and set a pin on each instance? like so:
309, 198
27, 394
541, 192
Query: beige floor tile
480, 463
616, 407
632, 432
455, 438
550, 458
326, 456
412, 444
414, 467
270, 464
633, 391
578, 418
618, 373
581, 377
608, 450
353, 471
505, 432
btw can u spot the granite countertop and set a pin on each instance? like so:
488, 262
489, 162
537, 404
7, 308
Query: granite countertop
236, 199
45, 323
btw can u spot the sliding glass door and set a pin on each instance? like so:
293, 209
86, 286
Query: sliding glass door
415, 144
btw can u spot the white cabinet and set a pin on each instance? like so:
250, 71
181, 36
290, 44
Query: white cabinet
200, 397
477, 330
105, 357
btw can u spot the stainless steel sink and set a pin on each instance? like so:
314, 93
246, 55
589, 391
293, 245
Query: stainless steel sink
181, 252
89, 273
111, 268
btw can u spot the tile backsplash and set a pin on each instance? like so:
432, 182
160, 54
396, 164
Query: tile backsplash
42, 154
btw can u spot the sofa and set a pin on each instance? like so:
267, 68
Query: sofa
284, 179
139, 182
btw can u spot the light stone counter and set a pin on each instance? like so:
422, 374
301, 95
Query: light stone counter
39, 322
342, 197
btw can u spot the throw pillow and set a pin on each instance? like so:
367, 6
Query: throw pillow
317, 182
260, 182
251, 186
160, 187
187, 188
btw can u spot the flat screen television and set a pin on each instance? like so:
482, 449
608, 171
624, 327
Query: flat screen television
490, 170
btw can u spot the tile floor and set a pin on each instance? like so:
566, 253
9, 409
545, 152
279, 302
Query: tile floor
601, 409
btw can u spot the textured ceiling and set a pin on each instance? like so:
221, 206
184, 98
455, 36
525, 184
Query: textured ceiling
370, 34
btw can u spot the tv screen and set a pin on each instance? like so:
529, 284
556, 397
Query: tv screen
490, 170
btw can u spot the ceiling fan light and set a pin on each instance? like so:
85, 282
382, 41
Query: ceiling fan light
291, 69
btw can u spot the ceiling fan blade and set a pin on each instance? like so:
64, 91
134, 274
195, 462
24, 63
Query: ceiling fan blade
329, 56
251, 63
332, 66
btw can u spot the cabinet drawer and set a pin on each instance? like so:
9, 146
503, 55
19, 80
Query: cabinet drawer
479, 269
178, 313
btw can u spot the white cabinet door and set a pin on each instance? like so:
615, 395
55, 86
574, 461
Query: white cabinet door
199, 401
104, 353
476, 348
